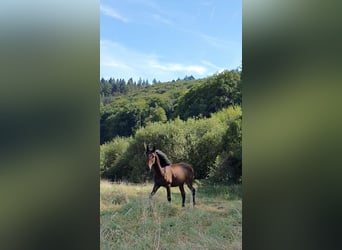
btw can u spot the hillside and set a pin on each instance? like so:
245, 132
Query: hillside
171, 90
196, 121
126, 107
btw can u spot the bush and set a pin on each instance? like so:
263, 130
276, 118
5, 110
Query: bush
111, 153
228, 164
211, 145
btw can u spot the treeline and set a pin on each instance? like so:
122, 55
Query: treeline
130, 108
114, 86
212, 145
117, 86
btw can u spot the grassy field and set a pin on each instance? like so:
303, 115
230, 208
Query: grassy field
130, 220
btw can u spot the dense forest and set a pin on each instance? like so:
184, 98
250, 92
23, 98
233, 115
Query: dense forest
193, 120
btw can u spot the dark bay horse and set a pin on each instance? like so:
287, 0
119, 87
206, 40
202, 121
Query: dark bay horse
169, 175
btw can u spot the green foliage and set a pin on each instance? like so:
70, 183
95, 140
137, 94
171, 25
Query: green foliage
127, 107
121, 121
197, 141
156, 114
228, 164
219, 91
111, 153
139, 105
195, 121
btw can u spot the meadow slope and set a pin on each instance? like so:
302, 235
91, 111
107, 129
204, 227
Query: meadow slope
130, 220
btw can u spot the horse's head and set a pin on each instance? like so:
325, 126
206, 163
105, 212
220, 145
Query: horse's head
151, 157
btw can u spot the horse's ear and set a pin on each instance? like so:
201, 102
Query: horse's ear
154, 148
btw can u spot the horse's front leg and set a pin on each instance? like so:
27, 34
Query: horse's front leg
154, 190
168, 190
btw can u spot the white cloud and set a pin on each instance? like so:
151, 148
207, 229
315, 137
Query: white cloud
112, 13
119, 61
174, 67
116, 65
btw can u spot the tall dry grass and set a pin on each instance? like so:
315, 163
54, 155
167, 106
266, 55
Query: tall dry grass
130, 220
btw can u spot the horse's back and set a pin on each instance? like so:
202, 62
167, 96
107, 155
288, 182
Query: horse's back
182, 172
187, 167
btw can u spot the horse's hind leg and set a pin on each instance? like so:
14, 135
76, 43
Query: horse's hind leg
168, 190
193, 190
181, 188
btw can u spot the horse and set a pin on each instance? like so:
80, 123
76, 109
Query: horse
169, 175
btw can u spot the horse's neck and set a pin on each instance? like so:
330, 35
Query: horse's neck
158, 166
163, 160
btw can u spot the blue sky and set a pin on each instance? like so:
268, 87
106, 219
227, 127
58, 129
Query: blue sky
168, 39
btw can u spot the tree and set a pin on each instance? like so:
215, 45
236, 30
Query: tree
189, 78
221, 90
121, 121
130, 81
105, 89
139, 82
122, 86
157, 115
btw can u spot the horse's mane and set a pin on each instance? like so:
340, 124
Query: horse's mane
164, 161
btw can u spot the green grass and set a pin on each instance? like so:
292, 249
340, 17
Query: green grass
130, 220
